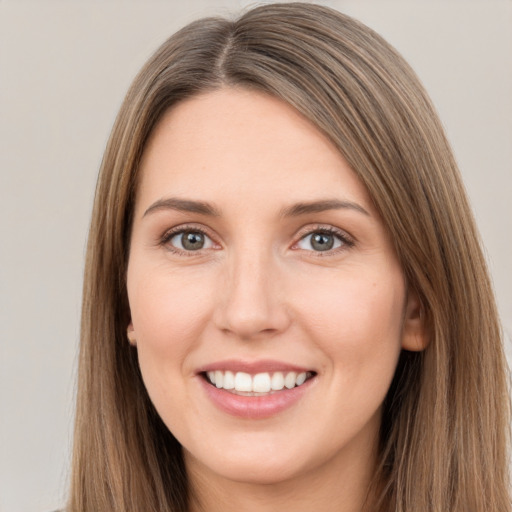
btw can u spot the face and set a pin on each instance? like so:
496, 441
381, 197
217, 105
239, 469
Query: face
268, 307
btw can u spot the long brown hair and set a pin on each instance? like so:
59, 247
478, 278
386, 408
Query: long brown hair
444, 435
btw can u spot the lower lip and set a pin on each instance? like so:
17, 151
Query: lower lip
255, 407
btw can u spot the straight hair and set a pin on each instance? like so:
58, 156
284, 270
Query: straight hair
445, 427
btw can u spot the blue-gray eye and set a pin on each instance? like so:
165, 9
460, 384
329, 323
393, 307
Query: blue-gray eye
191, 241
320, 241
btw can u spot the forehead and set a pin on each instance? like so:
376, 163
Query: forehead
245, 145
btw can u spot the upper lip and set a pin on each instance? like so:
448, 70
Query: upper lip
252, 367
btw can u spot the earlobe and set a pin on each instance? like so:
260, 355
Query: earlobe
130, 333
414, 331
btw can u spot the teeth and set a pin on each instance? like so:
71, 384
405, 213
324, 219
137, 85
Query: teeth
301, 378
259, 383
219, 379
277, 382
289, 380
243, 381
229, 380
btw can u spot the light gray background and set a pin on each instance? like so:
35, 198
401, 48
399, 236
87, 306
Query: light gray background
64, 68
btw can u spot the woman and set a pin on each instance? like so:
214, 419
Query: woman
285, 300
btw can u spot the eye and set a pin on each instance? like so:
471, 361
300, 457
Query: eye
190, 240
323, 240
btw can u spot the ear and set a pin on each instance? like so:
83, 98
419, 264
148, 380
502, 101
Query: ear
414, 331
130, 332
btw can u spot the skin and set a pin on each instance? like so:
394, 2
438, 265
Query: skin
259, 290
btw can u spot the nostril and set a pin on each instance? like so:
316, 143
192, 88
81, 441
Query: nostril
251, 307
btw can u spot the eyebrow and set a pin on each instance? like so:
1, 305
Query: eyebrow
321, 206
302, 208
183, 205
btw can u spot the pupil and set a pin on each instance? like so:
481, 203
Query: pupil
322, 242
192, 241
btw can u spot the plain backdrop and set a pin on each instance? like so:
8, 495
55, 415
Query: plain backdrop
64, 69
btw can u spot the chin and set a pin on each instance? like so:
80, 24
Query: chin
251, 467
265, 474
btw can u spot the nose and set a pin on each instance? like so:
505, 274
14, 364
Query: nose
252, 299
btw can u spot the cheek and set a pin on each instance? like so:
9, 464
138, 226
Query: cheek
353, 304
357, 323
168, 312
167, 308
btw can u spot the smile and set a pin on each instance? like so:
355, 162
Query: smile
259, 384
255, 390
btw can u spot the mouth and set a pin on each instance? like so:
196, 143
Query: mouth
259, 384
255, 390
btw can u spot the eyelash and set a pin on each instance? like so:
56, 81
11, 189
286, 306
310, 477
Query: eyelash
168, 235
346, 241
